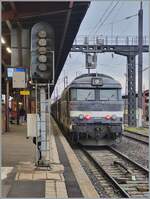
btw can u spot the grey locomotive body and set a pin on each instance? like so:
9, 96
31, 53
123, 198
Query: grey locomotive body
91, 108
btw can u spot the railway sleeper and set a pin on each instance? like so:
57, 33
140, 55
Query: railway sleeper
134, 193
130, 189
142, 188
119, 164
121, 180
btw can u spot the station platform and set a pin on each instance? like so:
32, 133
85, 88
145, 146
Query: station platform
21, 178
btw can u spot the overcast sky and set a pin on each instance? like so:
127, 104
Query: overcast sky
93, 24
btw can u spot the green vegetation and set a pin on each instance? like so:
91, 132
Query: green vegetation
141, 130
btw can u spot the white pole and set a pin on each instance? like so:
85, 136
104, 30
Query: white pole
49, 121
43, 122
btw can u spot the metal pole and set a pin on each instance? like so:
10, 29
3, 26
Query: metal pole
37, 125
112, 33
49, 121
7, 105
140, 64
149, 78
27, 104
43, 122
131, 91
17, 106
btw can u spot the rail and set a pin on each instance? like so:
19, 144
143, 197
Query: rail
105, 163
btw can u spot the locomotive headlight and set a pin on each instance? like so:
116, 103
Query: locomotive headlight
114, 117
81, 116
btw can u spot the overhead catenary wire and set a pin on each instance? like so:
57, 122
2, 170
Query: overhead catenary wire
118, 11
123, 19
109, 6
126, 27
109, 13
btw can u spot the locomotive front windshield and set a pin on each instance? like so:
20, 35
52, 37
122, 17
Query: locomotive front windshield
109, 94
82, 94
94, 94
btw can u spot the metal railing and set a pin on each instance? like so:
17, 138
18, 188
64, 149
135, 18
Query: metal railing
109, 40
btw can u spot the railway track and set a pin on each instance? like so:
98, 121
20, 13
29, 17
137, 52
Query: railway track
126, 176
144, 139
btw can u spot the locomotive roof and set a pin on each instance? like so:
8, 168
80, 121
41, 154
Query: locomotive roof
85, 81
93, 75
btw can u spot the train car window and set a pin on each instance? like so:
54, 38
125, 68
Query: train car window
109, 94
82, 94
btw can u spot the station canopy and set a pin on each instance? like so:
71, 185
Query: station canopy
65, 17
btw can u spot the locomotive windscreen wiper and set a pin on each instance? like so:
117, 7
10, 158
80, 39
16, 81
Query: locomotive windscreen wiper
86, 98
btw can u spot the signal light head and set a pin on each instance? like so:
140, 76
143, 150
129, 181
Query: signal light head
42, 34
42, 67
42, 42
42, 58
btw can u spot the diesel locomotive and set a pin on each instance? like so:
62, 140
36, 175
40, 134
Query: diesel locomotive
91, 109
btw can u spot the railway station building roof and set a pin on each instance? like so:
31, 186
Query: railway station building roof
65, 17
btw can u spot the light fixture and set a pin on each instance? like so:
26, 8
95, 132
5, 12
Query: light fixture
8, 50
108, 117
87, 117
3, 40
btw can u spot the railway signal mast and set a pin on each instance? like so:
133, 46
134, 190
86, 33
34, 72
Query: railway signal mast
42, 74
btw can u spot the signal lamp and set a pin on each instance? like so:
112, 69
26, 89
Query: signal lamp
42, 67
42, 58
42, 34
42, 42
42, 50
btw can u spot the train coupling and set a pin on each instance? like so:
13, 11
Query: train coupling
98, 128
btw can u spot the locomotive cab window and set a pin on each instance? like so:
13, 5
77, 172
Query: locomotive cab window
82, 94
109, 94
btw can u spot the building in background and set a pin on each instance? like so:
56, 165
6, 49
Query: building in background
145, 107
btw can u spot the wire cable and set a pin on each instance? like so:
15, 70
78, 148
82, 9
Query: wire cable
107, 16
109, 6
